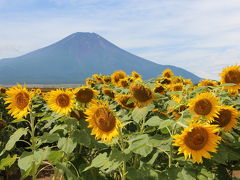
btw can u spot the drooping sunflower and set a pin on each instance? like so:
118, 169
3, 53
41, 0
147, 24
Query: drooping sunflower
60, 101
98, 78
103, 122
164, 80
176, 87
78, 114
231, 74
116, 76
108, 92
19, 99
141, 94
227, 118
123, 99
197, 140
84, 94
207, 82
205, 104
167, 73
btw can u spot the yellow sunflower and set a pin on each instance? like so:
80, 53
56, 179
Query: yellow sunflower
123, 101
227, 118
123, 83
136, 76
60, 101
177, 79
107, 79
19, 99
3, 90
159, 88
176, 87
98, 78
197, 141
90, 82
231, 74
116, 76
205, 104
164, 80
207, 82
141, 94
84, 94
101, 119
108, 92
167, 73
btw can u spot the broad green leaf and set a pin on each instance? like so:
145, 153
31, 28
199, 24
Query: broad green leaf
26, 160
66, 144
7, 161
55, 156
14, 138
154, 121
139, 114
166, 123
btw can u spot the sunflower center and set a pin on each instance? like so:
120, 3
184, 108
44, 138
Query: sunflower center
63, 100
223, 118
109, 93
166, 81
104, 119
177, 88
22, 100
141, 93
84, 95
167, 74
203, 107
233, 76
196, 139
159, 89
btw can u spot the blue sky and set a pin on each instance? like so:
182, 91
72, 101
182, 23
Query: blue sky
202, 36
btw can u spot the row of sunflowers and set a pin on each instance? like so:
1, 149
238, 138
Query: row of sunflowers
121, 127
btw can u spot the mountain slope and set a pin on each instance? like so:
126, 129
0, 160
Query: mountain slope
75, 58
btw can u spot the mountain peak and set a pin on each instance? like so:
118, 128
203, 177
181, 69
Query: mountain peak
77, 57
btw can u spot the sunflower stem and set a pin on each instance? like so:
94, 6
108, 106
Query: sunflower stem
33, 146
124, 168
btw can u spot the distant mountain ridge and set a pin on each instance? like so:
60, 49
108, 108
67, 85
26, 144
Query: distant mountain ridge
76, 57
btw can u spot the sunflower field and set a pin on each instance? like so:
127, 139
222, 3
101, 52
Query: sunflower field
121, 127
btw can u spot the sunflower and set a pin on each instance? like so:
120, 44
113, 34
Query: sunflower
116, 76
205, 104
167, 73
141, 94
108, 92
207, 82
101, 119
84, 94
197, 140
90, 82
176, 87
98, 78
177, 79
231, 74
60, 101
19, 99
123, 83
159, 88
123, 101
136, 76
2, 90
227, 118
164, 80
107, 79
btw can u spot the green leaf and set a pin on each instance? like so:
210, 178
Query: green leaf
18, 120
82, 137
26, 160
166, 123
139, 114
154, 121
66, 144
55, 156
14, 138
7, 162
139, 145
